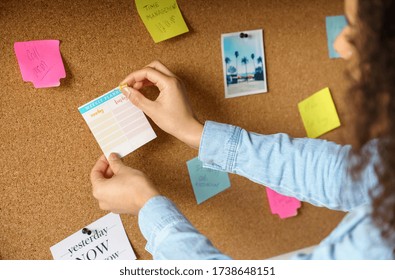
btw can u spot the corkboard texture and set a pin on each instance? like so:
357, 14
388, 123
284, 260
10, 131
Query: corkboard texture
47, 150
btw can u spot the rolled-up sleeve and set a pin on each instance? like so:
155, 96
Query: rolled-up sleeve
311, 170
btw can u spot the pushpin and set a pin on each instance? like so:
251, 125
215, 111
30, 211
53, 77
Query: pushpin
125, 86
86, 231
243, 35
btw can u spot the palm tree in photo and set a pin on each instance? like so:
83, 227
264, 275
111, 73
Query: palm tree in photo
259, 74
259, 59
253, 61
245, 61
232, 70
227, 61
236, 55
228, 78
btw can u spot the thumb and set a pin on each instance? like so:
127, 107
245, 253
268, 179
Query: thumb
115, 162
138, 99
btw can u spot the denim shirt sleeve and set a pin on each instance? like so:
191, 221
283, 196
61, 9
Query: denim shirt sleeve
170, 235
310, 170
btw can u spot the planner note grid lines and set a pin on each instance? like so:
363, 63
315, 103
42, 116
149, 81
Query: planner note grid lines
117, 125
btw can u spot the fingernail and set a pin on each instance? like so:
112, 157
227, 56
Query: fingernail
127, 91
124, 87
114, 156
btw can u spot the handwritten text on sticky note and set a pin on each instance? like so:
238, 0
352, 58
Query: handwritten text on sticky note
206, 182
282, 205
162, 18
40, 62
319, 113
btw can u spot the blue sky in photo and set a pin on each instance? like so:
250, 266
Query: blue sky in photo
245, 47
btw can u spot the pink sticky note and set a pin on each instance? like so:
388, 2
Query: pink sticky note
282, 205
40, 62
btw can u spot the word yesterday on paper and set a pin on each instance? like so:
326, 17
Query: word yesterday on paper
107, 241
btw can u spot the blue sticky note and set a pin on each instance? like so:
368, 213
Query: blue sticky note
206, 182
334, 26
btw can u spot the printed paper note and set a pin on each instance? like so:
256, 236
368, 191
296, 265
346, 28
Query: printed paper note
319, 114
162, 18
282, 205
40, 62
334, 26
117, 124
206, 182
107, 241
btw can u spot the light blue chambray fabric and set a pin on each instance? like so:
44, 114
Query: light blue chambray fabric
312, 170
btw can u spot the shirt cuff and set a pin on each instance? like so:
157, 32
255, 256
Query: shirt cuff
219, 146
157, 214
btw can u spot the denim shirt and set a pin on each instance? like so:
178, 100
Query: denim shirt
311, 170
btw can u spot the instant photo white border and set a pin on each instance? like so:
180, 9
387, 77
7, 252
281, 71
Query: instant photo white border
252, 35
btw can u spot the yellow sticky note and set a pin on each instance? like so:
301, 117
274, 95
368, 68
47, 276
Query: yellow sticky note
319, 113
162, 18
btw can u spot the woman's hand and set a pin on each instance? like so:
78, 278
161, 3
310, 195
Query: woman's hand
171, 110
119, 188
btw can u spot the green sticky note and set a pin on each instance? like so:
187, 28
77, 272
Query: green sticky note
162, 18
206, 182
319, 113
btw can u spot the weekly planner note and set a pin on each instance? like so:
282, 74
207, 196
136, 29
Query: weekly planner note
40, 62
104, 239
118, 126
162, 18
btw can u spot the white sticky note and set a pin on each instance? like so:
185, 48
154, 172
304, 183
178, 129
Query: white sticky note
117, 125
107, 241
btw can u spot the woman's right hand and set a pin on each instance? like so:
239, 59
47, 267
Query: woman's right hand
171, 110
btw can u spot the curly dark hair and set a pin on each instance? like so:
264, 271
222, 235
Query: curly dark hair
372, 91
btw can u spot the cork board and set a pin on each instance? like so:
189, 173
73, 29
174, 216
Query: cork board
47, 151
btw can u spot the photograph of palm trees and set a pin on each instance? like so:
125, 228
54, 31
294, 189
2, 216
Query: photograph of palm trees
243, 63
